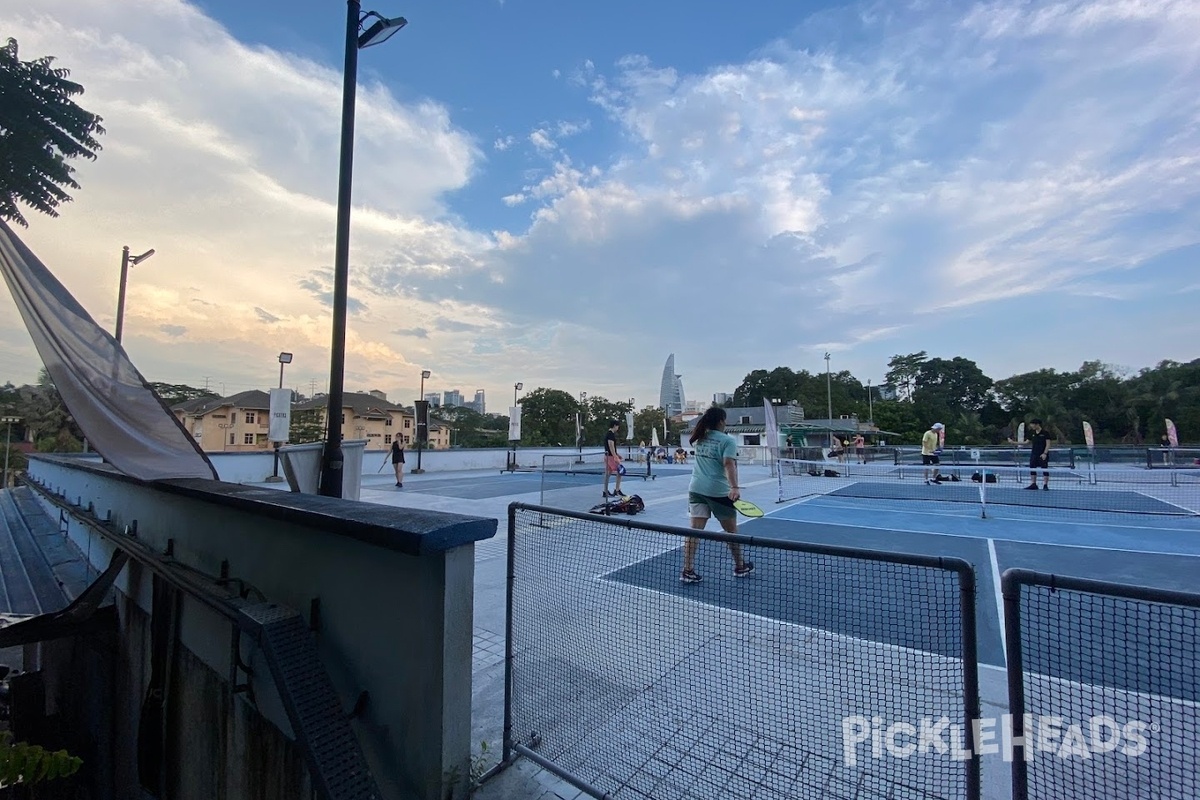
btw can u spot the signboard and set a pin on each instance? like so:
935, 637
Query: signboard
975, 453
422, 410
514, 423
281, 415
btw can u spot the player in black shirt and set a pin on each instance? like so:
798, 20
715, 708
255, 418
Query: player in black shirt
1039, 455
612, 459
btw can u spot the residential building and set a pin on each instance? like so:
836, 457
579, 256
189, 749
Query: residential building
452, 398
434, 399
379, 422
670, 393
721, 398
232, 424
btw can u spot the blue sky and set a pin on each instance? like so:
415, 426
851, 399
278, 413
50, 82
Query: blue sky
564, 193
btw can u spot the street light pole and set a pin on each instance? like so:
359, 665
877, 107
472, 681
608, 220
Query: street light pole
829, 397
422, 425
284, 358
127, 261
512, 456
332, 465
7, 446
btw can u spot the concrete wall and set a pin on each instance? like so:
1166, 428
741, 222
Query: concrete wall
395, 588
255, 467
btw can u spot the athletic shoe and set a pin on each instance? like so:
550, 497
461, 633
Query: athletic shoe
399, 485
1046, 488
1032, 486
690, 576
744, 570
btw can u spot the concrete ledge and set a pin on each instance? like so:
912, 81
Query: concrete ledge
405, 530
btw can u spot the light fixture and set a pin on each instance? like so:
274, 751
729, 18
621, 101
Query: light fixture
381, 31
285, 358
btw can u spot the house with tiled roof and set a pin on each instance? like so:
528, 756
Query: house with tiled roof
370, 416
233, 424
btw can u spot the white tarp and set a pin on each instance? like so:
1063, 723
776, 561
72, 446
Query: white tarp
121, 416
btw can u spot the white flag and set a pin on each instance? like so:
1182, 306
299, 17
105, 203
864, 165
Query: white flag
281, 415
578, 431
629, 425
514, 423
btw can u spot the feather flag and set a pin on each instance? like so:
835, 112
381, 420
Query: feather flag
1172, 434
1088, 437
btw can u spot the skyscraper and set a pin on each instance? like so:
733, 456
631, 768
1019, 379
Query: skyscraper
480, 405
670, 393
452, 398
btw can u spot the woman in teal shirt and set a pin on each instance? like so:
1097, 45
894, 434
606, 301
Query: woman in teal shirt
713, 490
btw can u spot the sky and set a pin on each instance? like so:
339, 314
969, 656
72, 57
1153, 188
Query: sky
563, 194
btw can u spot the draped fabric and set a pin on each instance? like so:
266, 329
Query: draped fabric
121, 416
772, 432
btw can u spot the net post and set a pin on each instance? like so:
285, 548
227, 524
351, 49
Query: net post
971, 699
1010, 589
507, 740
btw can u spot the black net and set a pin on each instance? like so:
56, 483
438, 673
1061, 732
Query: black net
1056, 494
1110, 686
779, 684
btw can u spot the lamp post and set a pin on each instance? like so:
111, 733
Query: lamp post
284, 358
422, 424
356, 39
7, 446
127, 261
512, 456
829, 397
583, 421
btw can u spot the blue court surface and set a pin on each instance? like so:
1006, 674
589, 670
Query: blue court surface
1136, 549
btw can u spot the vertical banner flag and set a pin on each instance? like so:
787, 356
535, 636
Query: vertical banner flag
421, 407
665, 437
514, 423
578, 431
281, 415
942, 439
1088, 438
1172, 434
772, 426
1021, 433
654, 436
772, 432
629, 425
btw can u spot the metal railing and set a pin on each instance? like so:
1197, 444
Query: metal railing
1104, 689
626, 682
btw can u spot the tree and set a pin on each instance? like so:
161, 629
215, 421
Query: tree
902, 374
548, 418
41, 128
175, 393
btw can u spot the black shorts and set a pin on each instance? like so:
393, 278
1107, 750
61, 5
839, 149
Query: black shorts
928, 460
1035, 462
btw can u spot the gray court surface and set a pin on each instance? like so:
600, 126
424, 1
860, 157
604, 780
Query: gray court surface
1140, 549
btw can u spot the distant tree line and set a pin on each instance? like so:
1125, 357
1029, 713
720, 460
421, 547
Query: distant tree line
1123, 407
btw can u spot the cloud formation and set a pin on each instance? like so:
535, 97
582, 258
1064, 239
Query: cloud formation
877, 180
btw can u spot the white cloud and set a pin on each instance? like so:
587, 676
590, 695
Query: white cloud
904, 175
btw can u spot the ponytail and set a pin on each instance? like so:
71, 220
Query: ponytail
714, 416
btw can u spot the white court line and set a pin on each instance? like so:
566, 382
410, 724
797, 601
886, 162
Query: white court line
1015, 541
999, 599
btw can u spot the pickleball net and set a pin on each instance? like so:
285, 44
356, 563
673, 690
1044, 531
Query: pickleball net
1087, 493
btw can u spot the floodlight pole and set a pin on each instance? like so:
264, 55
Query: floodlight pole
422, 432
829, 397
284, 358
7, 446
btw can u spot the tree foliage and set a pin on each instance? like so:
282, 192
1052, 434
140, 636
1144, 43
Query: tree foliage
41, 129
